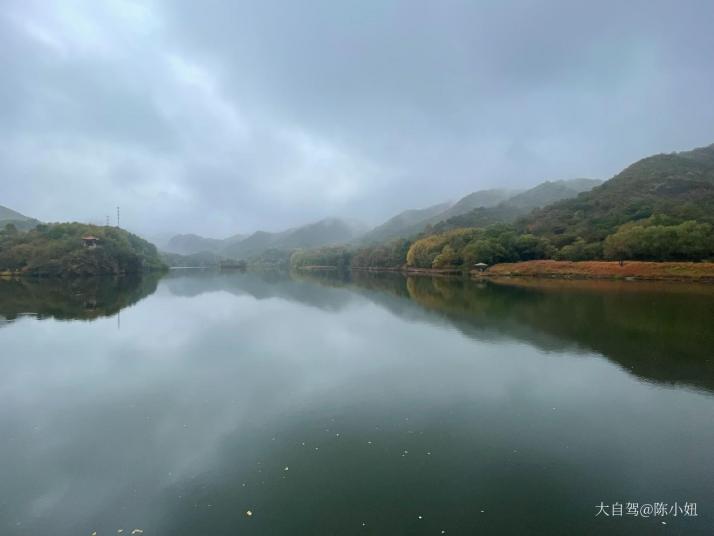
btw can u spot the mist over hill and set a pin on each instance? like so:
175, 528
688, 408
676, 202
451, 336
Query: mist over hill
673, 187
660, 208
12, 217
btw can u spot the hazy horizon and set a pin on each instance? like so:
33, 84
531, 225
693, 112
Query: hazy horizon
219, 118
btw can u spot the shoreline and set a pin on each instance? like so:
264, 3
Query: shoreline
700, 272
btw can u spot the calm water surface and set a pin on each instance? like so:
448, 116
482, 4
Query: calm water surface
363, 405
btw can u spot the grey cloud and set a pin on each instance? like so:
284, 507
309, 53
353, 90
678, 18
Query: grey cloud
219, 117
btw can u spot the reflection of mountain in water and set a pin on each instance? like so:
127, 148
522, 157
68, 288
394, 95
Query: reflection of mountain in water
82, 298
658, 331
259, 285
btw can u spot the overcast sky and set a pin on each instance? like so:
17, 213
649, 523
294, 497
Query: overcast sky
219, 117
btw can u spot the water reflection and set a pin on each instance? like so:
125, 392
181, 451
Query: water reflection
72, 299
659, 331
375, 404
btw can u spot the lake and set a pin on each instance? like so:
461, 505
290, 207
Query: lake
363, 404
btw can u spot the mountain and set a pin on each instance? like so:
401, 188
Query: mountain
75, 249
20, 221
403, 223
412, 222
549, 192
322, 233
193, 260
9, 214
475, 200
519, 205
672, 188
189, 244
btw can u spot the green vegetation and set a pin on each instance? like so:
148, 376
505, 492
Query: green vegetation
678, 187
195, 260
59, 250
465, 247
17, 220
85, 298
407, 223
336, 257
519, 205
658, 209
389, 255
647, 241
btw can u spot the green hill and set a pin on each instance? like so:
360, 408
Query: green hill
518, 205
413, 222
59, 249
322, 233
476, 200
665, 189
190, 244
9, 214
658, 209
12, 217
404, 224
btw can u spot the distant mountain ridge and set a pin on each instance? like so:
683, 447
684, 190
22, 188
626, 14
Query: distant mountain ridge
20, 221
321, 233
479, 207
404, 222
414, 221
519, 205
674, 186
9, 214
189, 244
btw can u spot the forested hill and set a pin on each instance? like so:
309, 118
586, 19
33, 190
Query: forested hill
660, 208
405, 223
324, 232
62, 249
190, 244
12, 217
518, 205
670, 188
413, 222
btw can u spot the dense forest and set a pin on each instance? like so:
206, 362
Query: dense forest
658, 209
58, 249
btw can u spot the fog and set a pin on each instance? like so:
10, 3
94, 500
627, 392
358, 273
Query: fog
226, 117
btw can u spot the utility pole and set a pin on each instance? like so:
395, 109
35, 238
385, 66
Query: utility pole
107, 221
117, 217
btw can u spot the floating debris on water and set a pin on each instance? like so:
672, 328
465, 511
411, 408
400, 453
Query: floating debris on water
136, 532
249, 513
286, 468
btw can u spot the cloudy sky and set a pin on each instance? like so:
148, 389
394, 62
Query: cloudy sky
228, 116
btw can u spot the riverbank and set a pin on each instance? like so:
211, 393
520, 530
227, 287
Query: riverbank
702, 272
654, 271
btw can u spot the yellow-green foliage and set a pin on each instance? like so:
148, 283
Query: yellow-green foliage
423, 253
465, 247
